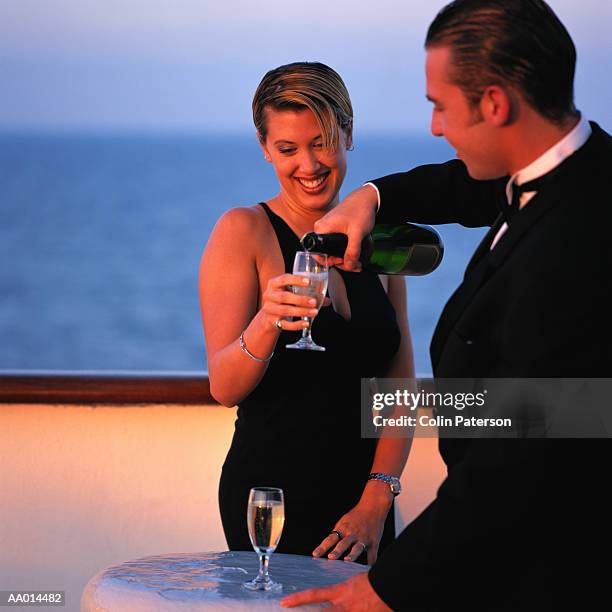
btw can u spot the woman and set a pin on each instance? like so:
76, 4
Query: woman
298, 424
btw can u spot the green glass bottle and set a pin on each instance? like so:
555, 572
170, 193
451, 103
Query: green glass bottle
410, 249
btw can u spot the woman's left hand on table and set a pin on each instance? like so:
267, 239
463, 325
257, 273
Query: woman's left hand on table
361, 528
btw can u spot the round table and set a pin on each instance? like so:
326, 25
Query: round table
206, 581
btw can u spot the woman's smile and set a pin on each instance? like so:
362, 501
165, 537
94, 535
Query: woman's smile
313, 185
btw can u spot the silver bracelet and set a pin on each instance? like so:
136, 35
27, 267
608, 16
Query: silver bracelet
245, 350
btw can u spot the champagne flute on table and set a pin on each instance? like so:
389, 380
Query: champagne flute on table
314, 267
265, 520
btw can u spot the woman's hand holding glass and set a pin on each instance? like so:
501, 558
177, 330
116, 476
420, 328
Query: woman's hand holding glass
280, 303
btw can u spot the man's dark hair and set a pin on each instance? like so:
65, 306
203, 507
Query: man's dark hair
516, 43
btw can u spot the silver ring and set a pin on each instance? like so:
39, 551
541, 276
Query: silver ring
338, 533
364, 546
278, 324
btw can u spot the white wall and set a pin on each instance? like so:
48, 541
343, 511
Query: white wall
83, 487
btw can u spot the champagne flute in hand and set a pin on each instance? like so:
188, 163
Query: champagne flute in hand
265, 520
314, 267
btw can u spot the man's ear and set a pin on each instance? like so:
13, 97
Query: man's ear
262, 144
498, 105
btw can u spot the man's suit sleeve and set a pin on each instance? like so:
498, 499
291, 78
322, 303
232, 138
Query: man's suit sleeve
467, 547
439, 193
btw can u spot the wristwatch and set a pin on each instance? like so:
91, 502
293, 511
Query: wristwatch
393, 482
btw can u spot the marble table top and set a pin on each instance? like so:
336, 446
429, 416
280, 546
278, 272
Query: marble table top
206, 581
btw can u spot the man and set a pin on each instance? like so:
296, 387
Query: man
511, 524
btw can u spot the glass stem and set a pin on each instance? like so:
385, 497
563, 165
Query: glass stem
264, 561
306, 331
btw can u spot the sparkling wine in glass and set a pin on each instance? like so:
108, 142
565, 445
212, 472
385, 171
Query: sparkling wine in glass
313, 266
265, 520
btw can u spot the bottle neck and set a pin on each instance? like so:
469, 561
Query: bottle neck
330, 244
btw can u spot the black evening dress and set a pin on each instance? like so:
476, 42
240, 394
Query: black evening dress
300, 428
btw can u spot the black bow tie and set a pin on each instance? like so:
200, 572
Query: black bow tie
510, 210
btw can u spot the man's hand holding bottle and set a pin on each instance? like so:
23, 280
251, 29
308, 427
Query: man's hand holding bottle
408, 249
355, 217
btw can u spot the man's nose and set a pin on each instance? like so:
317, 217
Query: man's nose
436, 124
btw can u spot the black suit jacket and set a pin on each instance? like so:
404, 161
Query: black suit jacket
513, 516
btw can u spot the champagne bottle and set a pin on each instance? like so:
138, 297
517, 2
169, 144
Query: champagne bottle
409, 249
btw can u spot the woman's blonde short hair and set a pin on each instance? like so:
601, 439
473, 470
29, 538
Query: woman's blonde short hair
304, 85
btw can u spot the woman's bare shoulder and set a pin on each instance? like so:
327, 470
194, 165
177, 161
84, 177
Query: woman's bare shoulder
240, 227
242, 219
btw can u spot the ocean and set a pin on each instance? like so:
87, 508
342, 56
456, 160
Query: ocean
101, 237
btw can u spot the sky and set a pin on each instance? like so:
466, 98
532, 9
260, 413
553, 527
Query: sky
193, 65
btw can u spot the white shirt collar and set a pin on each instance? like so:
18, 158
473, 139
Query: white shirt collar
550, 159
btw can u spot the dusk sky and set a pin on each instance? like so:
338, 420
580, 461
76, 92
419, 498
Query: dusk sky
194, 65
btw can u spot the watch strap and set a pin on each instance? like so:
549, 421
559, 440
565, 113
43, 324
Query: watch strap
392, 481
